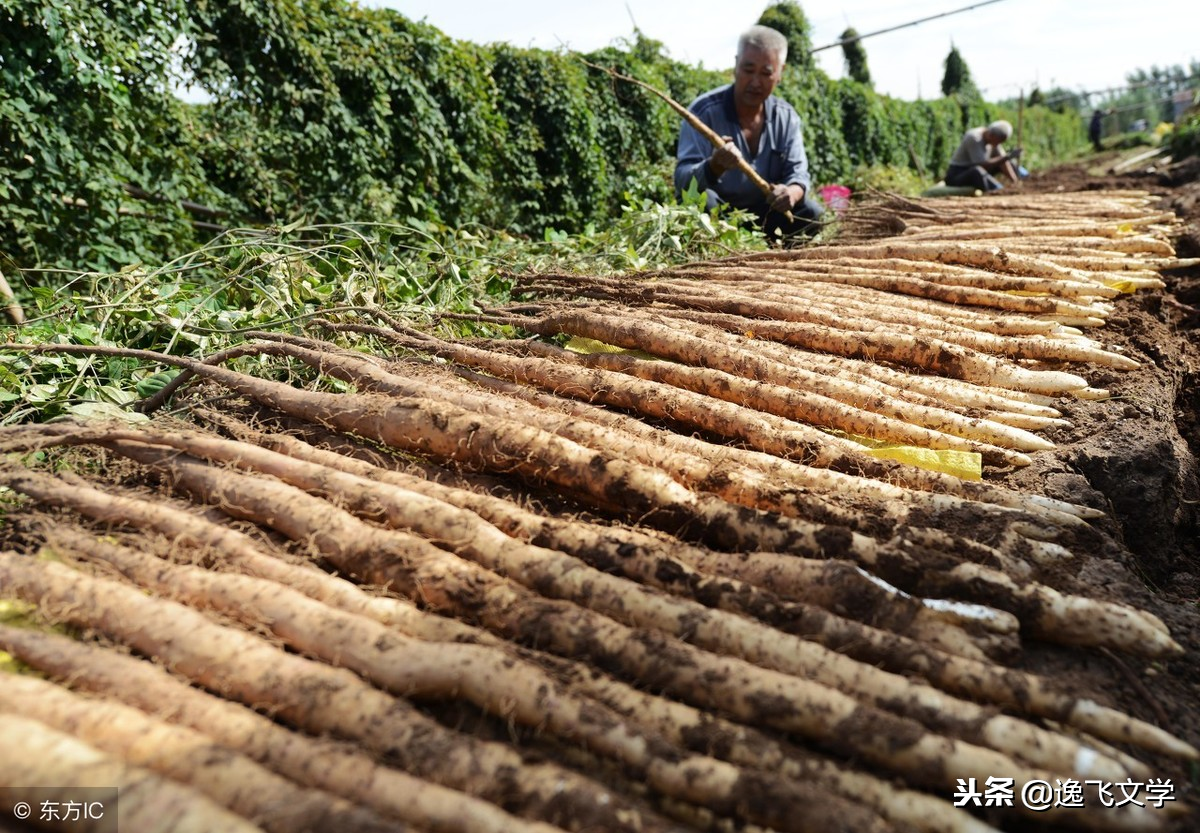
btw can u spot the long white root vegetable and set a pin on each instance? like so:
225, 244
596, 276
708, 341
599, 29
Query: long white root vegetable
146, 802
316, 696
228, 778
316, 763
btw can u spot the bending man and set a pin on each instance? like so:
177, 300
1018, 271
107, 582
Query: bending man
980, 155
758, 127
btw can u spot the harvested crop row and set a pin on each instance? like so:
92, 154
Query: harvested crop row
119, 676
147, 801
888, 308
1101, 250
859, 788
557, 576
904, 278
761, 309
560, 577
760, 599
911, 283
832, 295
1124, 207
483, 551
329, 700
1000, 536
829, 450
838, 455
668, 335
946, 274
1097, 236
498, 684
226, 502
309, 761
826, 323
558, 370
428, 427
390, 558
858, 297
988, 257
1049, 614
832, 584
228, 778
934, 392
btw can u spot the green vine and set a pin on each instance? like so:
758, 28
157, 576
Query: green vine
323, 111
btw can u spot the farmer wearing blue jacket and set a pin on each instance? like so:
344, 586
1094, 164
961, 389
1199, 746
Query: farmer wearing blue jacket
758, 127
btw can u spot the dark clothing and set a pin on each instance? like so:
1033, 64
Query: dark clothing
780, 160
1095, 129
807, 213
967, 164
974, 176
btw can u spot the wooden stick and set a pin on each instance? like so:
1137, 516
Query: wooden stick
11, 308
702, 128
1021, 117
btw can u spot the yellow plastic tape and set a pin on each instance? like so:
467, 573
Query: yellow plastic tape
1121, 286
17, 615
587, 346
967, 465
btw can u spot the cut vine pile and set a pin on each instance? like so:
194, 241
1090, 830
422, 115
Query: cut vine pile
739, 545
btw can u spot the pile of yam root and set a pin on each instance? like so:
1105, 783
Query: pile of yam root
394, 580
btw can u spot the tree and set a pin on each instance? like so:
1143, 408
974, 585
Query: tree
1036, 97
957, 78
856, 56
788, 19
1062, 100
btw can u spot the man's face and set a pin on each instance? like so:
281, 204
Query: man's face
755, 75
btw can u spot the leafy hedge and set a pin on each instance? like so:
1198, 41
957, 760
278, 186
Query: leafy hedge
1185, 139
325, 111
83, 111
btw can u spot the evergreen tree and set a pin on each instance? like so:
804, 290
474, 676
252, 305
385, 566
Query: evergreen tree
788, 19
856, 56
1062, 100
1036, 97
957, 78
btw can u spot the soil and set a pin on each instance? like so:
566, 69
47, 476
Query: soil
1135, 457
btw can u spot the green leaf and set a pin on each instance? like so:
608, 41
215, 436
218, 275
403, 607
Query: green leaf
105, 410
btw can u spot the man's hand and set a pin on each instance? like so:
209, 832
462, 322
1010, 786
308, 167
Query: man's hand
785, 197
725, 158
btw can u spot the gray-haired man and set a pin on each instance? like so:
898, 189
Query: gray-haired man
980, 155
758, 127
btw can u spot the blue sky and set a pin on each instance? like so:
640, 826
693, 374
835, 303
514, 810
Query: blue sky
1008, 45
